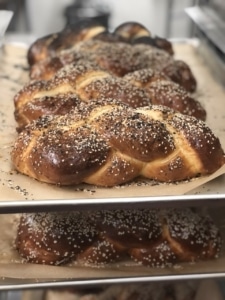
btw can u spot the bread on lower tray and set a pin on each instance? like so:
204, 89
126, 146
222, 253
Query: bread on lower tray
142, 291
150, 237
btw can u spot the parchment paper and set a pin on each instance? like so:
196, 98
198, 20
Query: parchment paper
14, 186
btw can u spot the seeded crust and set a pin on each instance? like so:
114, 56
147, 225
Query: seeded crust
156, 238
54, 238
59, 104
128, 32
54, 43
86, 81
179, 72
119, 59
107, 143
163, 91
131, 31
128, 48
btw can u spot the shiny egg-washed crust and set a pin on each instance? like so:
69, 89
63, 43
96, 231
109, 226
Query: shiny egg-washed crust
157, 42
52, 44
129, 32
107, 143
156, 238
136, 33
118, 59
86, 81
54, 238
165, 92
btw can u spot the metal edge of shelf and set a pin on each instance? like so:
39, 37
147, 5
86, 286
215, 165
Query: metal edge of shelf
212, 28
214, 61
10, 207
22, 284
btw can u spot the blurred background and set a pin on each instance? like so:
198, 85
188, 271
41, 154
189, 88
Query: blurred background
165, 18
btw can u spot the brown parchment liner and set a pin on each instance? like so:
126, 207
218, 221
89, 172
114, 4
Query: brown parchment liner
14, 186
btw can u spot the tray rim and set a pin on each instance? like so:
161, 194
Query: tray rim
23, 206
21, 284
19, 206
42, 204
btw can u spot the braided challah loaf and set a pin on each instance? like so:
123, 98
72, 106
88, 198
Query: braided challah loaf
116, 58
136, 33
86, 81
155, 238
54, 238
119, 59
128, 48
54, 43
107, 143
165, 92
129, 32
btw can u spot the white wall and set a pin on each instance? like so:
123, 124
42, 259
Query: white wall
46, 16
180, 25
151, 13
154, 15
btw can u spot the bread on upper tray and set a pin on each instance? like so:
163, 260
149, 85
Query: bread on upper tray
128, 48
107, 143
85, 81
122, 110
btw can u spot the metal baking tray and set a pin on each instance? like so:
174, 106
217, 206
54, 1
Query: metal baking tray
15, 274
18, 275
20, 193
23, 284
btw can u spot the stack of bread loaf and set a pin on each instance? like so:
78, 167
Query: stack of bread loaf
151, 237
105, 108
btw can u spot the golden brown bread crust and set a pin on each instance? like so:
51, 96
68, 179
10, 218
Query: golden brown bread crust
119, 59
179, 72
158, 42
108, 143
128, 48
136, 33
156, 238
53, 238
129, 32
53, 44
186, 237
116, 58
60, 104
84, 83
87, 81
162, 91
